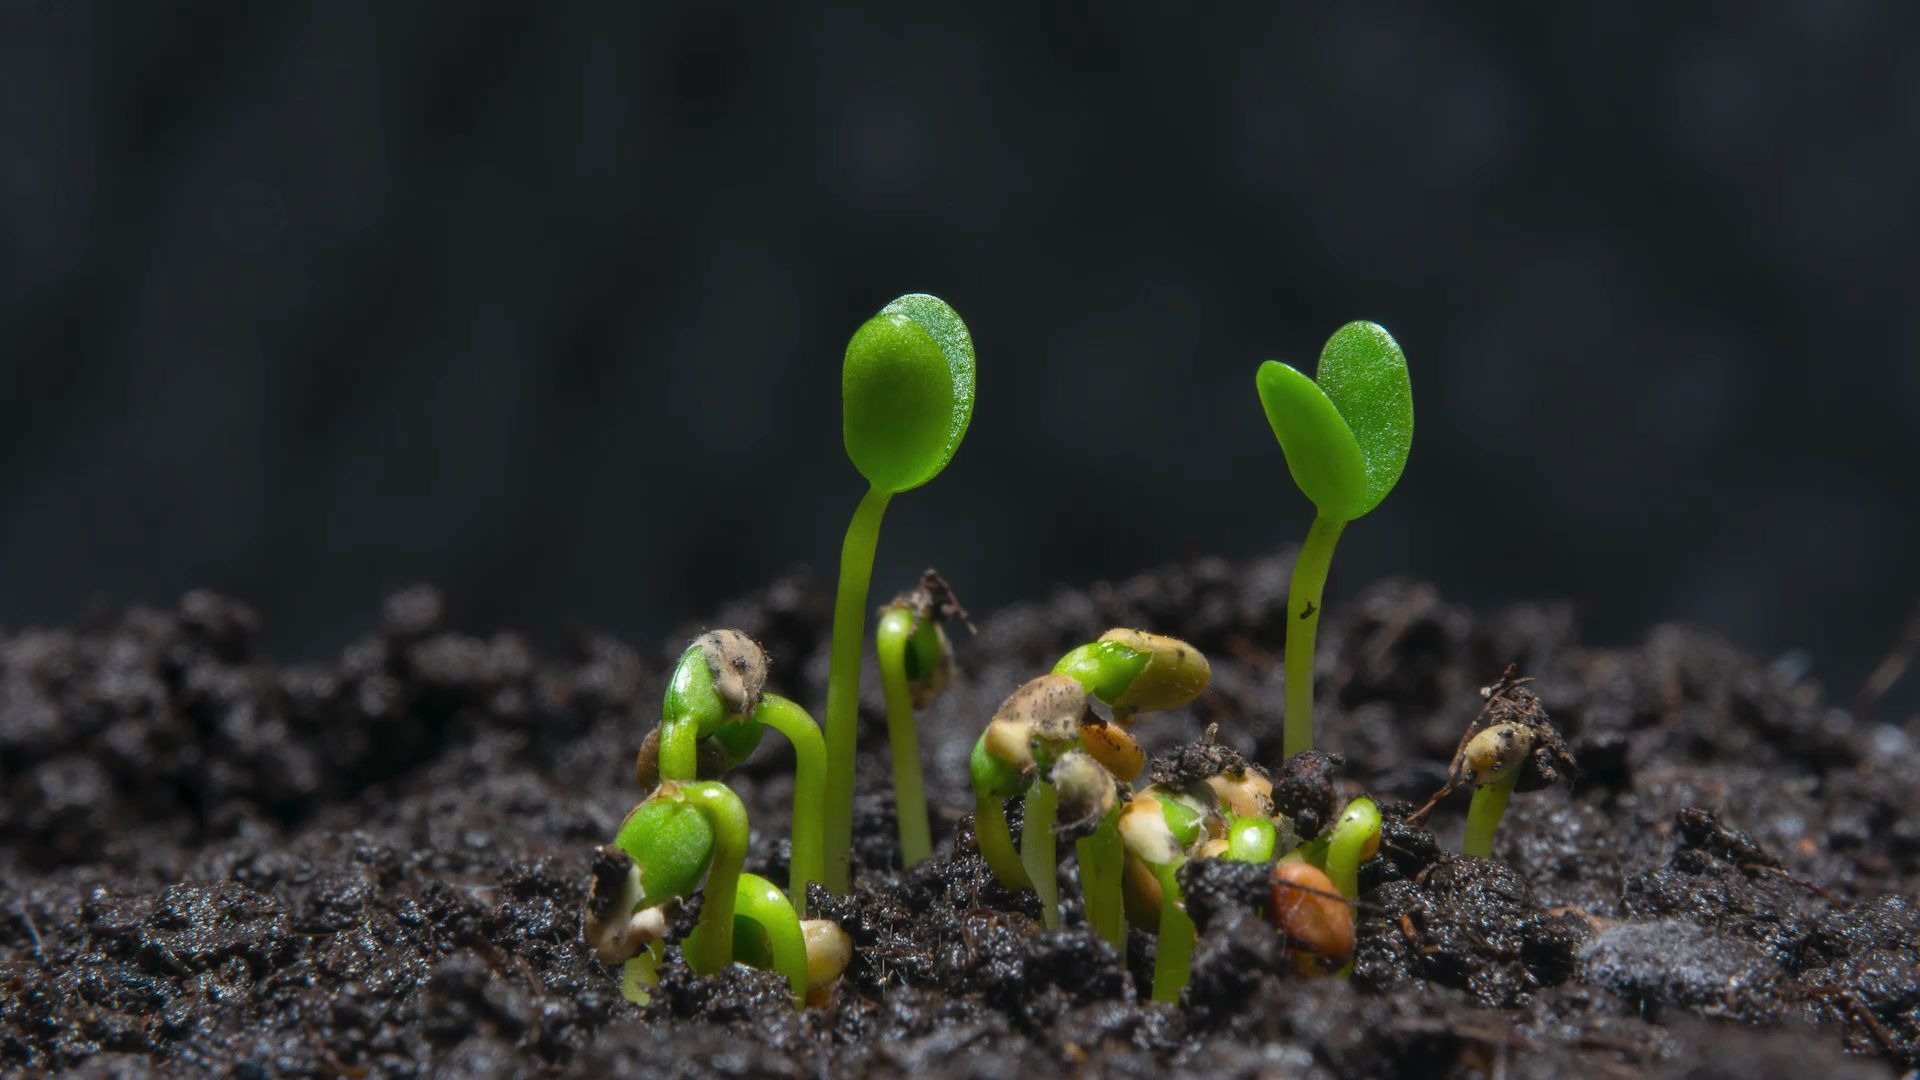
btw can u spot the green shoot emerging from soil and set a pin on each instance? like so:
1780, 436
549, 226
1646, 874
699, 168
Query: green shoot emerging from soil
1346, 439
1046, 741
916, 663
680, 834
1511, 746
907, 390
715, 710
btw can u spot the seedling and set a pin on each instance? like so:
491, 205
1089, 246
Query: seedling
1338, 851
916, 662
680, 834
907, 389
1346, 439
1511, 745
1045, 735
715, 709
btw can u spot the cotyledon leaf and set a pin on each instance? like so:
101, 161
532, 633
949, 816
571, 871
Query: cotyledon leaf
1321, 451
907, 390
1364, 373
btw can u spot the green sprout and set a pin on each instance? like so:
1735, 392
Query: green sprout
1160, 827
717, 705
1353, 838
1045, 741
1346, 439
916, 663
680, 834
907, 389
1511, 745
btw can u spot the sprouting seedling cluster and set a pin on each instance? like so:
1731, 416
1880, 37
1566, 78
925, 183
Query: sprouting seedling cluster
1346, 438
907, 389
916, 664
1047, 743
716, 709
1062, 742
690, 830
1077, 771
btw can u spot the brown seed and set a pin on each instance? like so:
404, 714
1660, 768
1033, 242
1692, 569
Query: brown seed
1112, 747
1248, 794
1317, 924
739, 668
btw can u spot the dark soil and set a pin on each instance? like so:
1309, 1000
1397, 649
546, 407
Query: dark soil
376, 866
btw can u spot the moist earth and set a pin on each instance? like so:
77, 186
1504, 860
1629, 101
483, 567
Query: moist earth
376, 866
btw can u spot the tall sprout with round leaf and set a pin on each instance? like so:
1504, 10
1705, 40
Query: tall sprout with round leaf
1346, 438
906, 390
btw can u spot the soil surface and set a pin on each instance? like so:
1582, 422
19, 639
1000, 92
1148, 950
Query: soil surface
212, 864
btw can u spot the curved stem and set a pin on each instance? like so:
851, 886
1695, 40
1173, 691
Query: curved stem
1303, 621
809, 791
909, 789
679, 748
761, 901
1173, 952
843, 681
1101, 857
713, 950
1036, 850
1357, 830
1483, 816
996, 843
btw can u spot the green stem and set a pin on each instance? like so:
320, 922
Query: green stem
1483, 816
761, 901
809, 790
1173, 952
1356, 831
843, 681
1036, 850
996, 843
909, 789
1303, 620
1102, 856
679, 748
713, 950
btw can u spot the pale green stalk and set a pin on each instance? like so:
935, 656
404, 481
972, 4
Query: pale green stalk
1303, 621
809, 790
843, 682
903, 738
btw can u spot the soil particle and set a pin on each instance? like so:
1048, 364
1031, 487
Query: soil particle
1304, 791
1468, 923
376, 865
1674, 962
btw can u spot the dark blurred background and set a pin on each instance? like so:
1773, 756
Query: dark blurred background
546, 304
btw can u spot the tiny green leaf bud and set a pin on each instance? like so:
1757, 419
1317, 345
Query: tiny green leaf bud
995, 777
671, 844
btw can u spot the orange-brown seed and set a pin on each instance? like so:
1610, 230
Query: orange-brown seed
1317, 924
